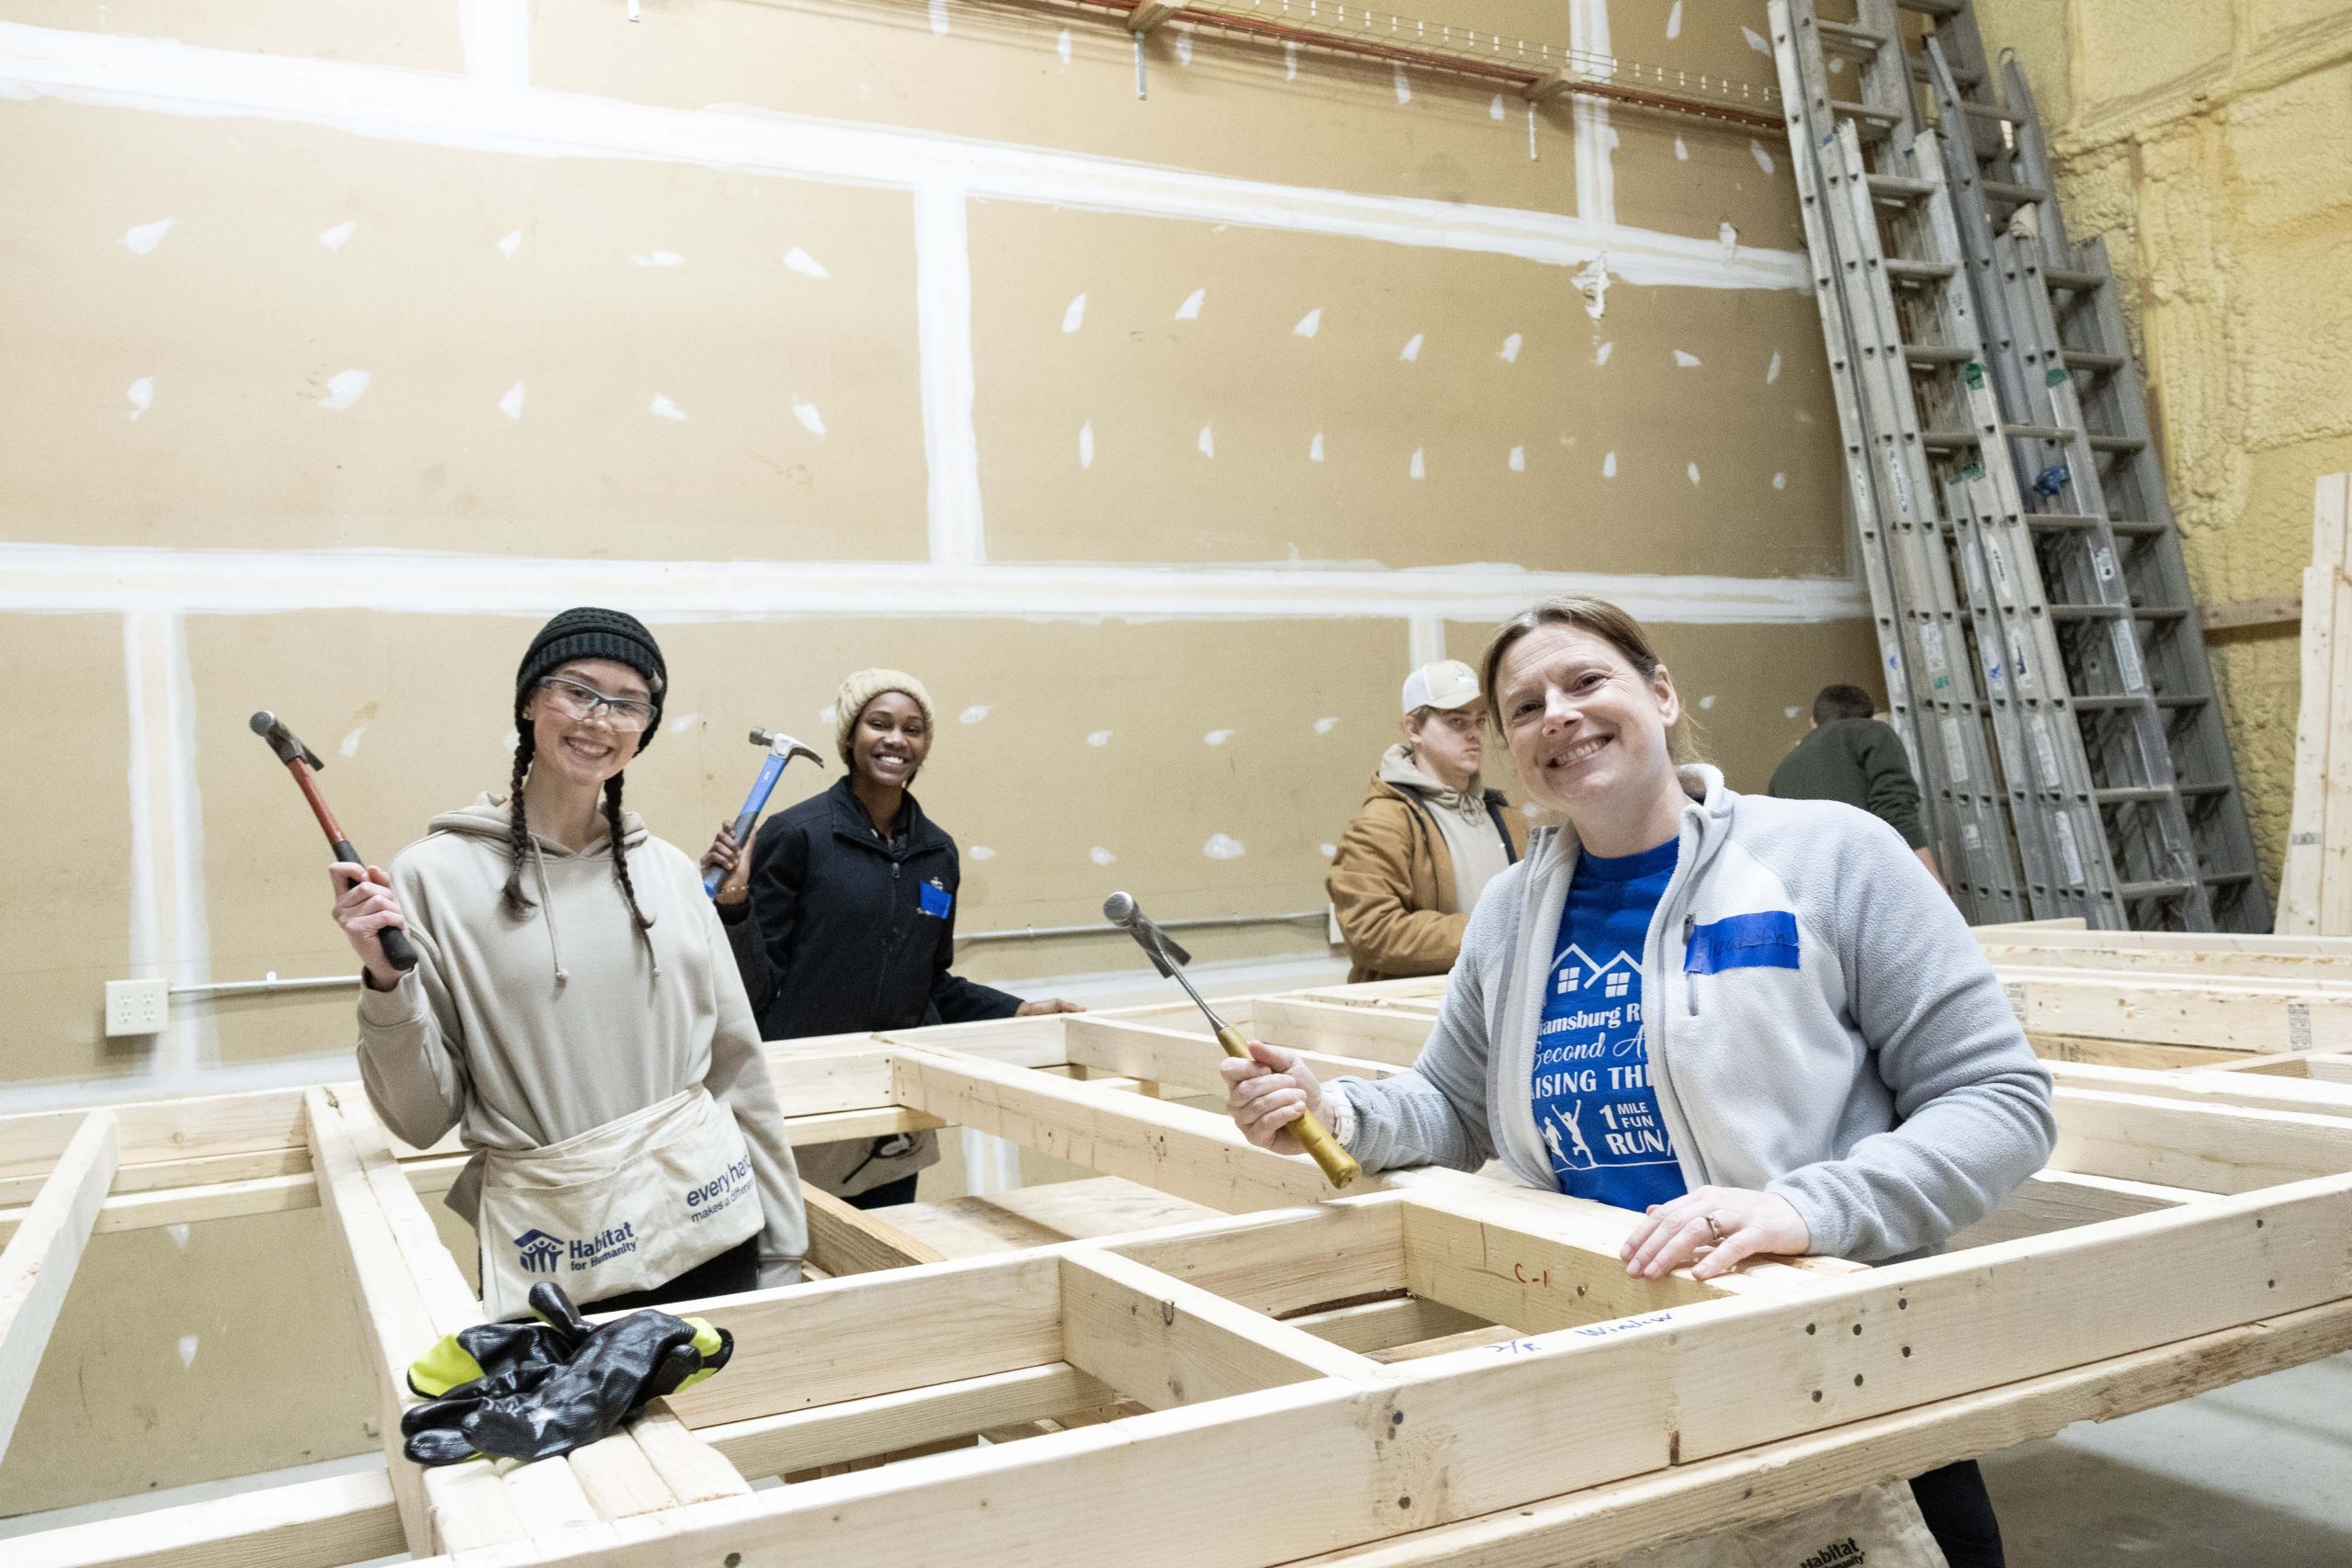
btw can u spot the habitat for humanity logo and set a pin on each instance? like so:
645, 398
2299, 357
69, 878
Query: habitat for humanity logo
539, 1251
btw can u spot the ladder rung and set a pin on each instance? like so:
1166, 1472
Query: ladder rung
2086, 612
1983, 111
2065, 520
2072, 277
2216, 878
1882, 118
1936, 353
1933, 7
1962, 76
1899, 185
2016, 195
2037, 432
2158, 612
2110, 704
2206, 789
1903, 269
1860, 38
1947, 440
2116, 443
2084, 359
2180, 702
2141, 793
2166, 889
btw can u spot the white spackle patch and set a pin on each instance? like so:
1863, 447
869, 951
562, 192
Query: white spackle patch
1074, 314
1418, 468
1190, 310
333, 238
1685, 360
1530, 810
1315, 448
1099, 738
1706, 702
825, 717
187, 1349
683, 722
1328, 850
662, 407
1086, 444
1061, 45
1519, 459
351, 741
1100, 855
1221, 847
1682, 151
1772, 371
1755, 41
510, 405
1762, 154
1412, 348
1593, 283
513, 740
659, 258
510, 244
146, 237
1217, 737
1779, 481
800, 260
1693, 471
1495, 109
1511, 348
1836, 67
981, 851
1207, 441
1324, 726
1404, 88
344, 387
974, 713
939, 17
1674, 20
1601, 356
1609, 467
1728, 237
1790, 713
1184, 46
141, 395
810, 419
178, 1234
1290, 62
1309, 324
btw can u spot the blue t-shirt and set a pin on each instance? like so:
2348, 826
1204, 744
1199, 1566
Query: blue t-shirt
1594, 1106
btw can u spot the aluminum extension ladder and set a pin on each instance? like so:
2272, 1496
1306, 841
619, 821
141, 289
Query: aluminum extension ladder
1952, 367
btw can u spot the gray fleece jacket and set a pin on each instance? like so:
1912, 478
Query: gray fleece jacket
1821, 1024
524, 1033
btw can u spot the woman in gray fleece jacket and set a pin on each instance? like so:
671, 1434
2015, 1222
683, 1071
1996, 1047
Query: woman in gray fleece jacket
1759, 1022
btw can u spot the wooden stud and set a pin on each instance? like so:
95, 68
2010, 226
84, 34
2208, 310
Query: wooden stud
843, 1239
37, 1270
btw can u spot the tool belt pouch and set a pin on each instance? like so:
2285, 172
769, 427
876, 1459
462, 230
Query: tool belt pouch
622, 1207
1877, 1529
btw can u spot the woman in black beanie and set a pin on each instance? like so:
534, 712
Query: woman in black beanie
576, 1012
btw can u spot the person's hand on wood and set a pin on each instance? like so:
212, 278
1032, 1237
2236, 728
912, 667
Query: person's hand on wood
1267, 1093
1713, 1229
727, 856
366, 906
1044, 1005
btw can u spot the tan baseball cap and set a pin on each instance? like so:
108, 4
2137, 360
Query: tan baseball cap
1448, 683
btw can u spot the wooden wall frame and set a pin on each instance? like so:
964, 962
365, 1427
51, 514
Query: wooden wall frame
1398, 1355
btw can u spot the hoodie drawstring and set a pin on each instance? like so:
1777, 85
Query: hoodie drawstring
546, 913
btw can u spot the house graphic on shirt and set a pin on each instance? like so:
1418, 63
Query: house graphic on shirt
1574, 969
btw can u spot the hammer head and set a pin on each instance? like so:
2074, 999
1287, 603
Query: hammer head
282, 741
784, 745
1121, 910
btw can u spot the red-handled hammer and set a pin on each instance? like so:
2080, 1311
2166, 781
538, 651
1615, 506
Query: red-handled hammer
301, 762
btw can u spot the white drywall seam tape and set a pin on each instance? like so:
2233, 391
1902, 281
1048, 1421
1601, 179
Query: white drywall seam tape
447, 110
943, 330
1596, 162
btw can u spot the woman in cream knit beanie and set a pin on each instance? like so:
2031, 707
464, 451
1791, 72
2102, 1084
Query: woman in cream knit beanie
865, 686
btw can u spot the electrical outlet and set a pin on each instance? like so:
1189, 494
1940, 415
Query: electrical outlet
138, 1007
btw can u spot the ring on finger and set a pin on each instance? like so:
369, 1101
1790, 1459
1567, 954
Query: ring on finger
1713, 1229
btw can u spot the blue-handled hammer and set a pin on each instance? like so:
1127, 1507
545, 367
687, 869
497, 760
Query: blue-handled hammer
780, 749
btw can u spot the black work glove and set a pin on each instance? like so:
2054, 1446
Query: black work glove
551, 1387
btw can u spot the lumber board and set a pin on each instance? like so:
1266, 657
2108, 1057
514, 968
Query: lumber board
2133, 1053
37, 1269
1371, 1328
1529, 1282
2236, 1015
2058, 1200
843, 1239
1379, 1033
307, 1524
2205, 1148
2315, 962
2264, 1091
2317, 832
891, 1423
1089, 1207
1190, 1062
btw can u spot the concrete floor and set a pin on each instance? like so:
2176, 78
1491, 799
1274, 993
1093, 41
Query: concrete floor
2257, 1473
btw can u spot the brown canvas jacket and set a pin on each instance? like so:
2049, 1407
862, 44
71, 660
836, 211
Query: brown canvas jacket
1392, 887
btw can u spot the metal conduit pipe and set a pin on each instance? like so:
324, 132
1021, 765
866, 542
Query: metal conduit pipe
271, 984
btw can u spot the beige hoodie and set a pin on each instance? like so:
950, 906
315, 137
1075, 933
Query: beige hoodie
531, 1030
1477, 846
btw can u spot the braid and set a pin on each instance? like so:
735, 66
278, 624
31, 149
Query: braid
518, 903
620, 852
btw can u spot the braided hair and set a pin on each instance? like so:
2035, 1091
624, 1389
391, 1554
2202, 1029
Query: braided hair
620, 850
518, 832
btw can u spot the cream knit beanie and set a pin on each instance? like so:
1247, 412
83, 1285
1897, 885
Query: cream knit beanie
863, 688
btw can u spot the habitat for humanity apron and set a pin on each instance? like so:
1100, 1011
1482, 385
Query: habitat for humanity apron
621, 1207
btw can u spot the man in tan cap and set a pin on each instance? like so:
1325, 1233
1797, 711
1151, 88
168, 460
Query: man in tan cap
1428, 838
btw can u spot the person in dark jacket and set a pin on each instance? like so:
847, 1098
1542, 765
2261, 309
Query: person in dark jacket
1851, 756
843, 919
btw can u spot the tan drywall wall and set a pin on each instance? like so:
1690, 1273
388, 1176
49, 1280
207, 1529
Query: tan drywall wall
2209, 143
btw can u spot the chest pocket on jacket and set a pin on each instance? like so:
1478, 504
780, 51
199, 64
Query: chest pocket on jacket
1766, 940
934, 900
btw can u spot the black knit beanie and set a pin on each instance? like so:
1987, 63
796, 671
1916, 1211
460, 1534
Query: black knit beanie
589, 633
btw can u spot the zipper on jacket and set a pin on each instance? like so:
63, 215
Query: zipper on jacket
1689, 992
